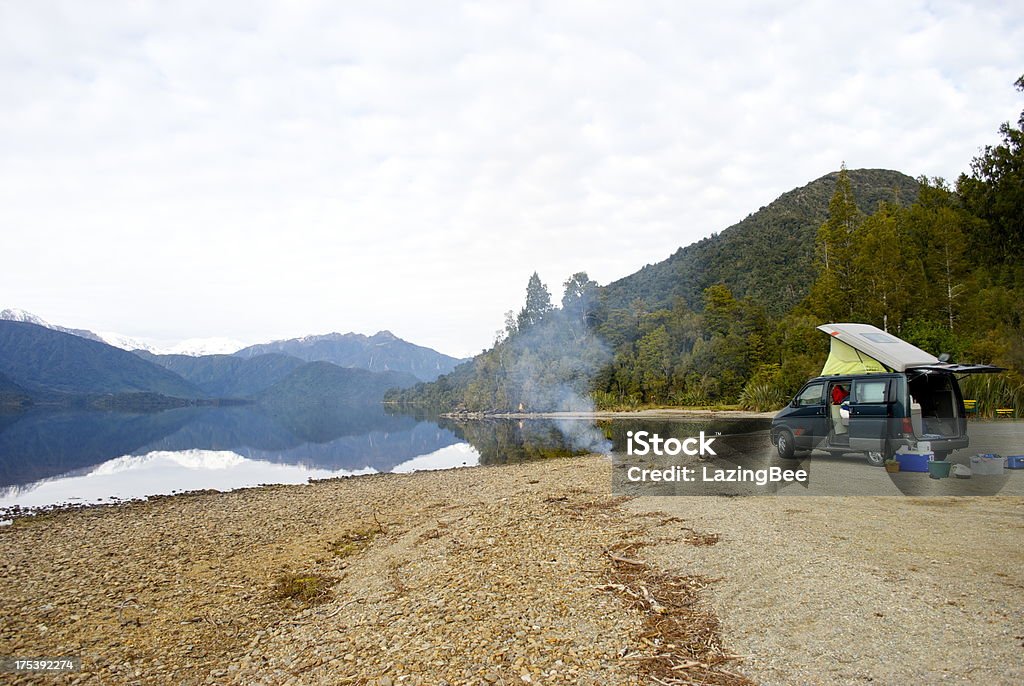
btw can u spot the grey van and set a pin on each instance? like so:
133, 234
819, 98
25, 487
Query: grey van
876, 394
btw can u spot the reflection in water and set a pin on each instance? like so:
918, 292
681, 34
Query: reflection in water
458, 455
51, 457
500, 441
40, 444
161, 472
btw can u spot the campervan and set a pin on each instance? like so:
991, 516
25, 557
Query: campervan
876, 394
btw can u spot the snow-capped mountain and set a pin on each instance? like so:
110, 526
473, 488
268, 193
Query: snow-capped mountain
194, 347
15, 315
127, 342
197, 347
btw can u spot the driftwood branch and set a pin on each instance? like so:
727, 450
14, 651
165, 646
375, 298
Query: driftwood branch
624, 560
380, 527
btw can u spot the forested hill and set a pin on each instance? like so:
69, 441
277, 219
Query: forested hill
769, 256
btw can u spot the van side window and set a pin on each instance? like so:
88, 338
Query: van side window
812, 395
870, 391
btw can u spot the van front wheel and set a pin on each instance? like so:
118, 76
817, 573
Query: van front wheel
785, 445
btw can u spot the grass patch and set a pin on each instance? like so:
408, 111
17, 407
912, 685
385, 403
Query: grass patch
306, 588
352, 542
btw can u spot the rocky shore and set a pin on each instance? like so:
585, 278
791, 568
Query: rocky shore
521, 574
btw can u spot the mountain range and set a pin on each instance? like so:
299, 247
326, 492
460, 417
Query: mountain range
49, 365
381, 352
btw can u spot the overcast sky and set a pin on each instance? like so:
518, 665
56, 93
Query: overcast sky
269, 170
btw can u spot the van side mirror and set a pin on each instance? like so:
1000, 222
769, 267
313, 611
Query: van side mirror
944, 357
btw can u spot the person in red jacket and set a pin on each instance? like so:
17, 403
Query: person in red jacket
839, 394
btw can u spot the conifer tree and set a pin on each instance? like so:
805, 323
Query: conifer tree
538, 303
834, 294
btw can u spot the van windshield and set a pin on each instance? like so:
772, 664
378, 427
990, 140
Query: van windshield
812, 395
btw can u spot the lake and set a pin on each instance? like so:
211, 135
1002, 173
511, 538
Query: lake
69, 457
86, 457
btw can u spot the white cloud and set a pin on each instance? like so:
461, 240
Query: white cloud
251, 171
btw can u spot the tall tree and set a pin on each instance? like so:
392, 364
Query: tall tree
538, 303
835, 291
580, 298
654, 355
887, 268
720, 309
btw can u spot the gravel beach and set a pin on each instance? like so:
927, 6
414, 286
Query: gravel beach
526, 573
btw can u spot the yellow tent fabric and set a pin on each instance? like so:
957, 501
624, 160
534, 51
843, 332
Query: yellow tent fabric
843, 359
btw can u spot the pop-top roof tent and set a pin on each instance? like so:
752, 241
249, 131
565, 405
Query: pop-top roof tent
865, 349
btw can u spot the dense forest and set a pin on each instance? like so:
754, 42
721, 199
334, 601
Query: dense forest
731, 319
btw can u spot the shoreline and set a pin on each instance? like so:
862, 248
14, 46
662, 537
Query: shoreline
654, 413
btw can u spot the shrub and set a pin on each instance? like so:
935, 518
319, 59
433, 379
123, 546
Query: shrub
765, 391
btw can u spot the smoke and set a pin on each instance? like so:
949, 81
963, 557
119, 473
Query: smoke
551, 367
583, 435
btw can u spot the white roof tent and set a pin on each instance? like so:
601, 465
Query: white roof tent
884, 350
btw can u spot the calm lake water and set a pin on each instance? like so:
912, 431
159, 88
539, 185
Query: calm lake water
49, 457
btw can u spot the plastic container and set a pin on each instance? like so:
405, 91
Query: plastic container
1015, 461
939, 469
986, 465
913, 462
960, 471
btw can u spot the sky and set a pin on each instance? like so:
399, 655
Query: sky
269, 170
